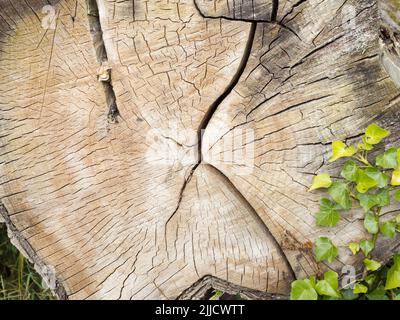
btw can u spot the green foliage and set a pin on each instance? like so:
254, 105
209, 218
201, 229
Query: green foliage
388, 160
354, 247
329, 286
310, 289
18, 280
393, 275
328, 215
367, 246
360, 288
372, 265
374, 134
369, 186
321, 181
340, 194
371, 223
325, 250
217, 295
350, 171
395, 178
340, 150
304, 290
388, 229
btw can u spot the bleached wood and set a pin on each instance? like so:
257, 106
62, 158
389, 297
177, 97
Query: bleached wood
305, 85
119, 203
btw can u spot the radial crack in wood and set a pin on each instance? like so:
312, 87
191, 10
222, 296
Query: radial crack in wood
92, 199
305, 85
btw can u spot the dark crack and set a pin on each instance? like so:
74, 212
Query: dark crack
257, 218
213, 108
101, 55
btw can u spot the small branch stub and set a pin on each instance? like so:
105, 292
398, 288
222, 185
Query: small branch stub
104, 72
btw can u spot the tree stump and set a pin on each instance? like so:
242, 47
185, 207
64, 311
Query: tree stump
151, 149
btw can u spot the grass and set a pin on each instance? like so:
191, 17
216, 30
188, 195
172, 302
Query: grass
18, 279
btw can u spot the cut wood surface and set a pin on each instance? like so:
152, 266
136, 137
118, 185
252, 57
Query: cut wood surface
190, 160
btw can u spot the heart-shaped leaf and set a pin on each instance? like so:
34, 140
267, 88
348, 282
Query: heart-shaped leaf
340, 150
360, 288
382, 198
329, 286
388, 229
367, 201
388, 160
366, 246
325, 250
365, 182
371, 223
374, 134
349, 171
395, 178
378, 293
393, 275
382, 179
321, 181
328, 216
340, 194
354, 247
303, 290
372, 265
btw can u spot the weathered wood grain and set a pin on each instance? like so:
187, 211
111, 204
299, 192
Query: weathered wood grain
303, 88
119, 186
94, 199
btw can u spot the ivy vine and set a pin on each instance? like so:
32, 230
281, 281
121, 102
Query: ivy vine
368, 186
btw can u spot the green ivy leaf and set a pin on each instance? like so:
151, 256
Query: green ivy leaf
388, 229
397, 195
366, 246
388, 160
354, 247
382, 179
378, 294
327, 216
393, 275
332, 278
382, 198
322, 180
349, 171
303, 290
367, 201
371, 223
395, 178
217, 294
372, 265
398, 219
340, 150
365, 182
348, 294
325, 250
374, 134
371, 279
329, 286
324, 289
340, 194
365, 146
360, 288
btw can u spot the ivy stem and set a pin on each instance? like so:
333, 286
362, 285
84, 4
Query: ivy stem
363, 159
